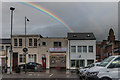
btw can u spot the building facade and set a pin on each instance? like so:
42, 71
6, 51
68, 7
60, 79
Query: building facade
4, 51
108, 47
81, 49
50, 52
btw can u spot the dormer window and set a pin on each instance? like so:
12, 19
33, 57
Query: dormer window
74, 36
88, 35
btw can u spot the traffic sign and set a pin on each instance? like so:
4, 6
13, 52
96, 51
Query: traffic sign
25, 49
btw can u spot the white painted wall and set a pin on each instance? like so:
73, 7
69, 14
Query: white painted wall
84, 56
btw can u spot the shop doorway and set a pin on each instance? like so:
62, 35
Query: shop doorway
57, 61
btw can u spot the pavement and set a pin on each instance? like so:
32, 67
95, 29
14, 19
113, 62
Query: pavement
52, 74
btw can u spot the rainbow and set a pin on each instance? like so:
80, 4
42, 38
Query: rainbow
48, 13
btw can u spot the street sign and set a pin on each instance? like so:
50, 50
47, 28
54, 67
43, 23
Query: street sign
25, 49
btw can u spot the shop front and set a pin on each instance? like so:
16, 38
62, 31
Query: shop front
57, 57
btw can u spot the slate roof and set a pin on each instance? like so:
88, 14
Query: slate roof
81, 36
5, 41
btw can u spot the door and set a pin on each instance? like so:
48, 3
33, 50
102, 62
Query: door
15, 60
44, 62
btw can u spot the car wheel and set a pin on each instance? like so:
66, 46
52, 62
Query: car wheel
105, 78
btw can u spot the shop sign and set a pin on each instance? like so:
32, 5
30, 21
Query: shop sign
57, 49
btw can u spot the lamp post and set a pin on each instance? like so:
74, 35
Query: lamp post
26, 19
11, 52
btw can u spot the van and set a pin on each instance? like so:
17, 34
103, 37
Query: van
108, 69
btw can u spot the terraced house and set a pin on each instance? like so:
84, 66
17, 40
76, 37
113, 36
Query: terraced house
51, 52
81, 49
76, 50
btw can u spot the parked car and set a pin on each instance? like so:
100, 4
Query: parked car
31, 66
83, 70
107, 70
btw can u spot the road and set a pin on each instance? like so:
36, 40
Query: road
53, 74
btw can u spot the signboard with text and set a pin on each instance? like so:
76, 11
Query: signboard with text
57, 49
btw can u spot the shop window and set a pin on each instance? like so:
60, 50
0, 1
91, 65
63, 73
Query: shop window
44, 43
35, 42
15, 42
32, 58
72, 63
57, 44
30, 42
73, 49
90, 48
21, 58
77, 63
90, 62
20, 42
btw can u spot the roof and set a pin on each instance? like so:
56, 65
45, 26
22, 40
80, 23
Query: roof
34, 35
5, 41
81, 36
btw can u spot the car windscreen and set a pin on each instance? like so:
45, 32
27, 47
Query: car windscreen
106, 61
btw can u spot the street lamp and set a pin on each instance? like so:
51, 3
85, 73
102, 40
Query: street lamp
12, 9
25, 49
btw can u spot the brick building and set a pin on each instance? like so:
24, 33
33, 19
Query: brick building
107, 47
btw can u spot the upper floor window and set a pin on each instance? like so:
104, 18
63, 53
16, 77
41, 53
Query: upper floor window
35, 42
85, 49
79, 48
57, 44
15, 42
30, 42
44, 43
90, 48
73, 49
20, 42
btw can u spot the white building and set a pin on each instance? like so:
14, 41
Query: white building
81, 49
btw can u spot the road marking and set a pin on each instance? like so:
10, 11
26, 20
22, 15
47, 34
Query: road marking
51, 75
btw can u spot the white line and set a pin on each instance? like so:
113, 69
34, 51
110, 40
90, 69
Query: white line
51, 75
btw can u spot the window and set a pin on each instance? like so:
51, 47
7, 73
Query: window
79, 48
85, 49
90, 62
44, 43
15, 42
32, 58
115, 63
20, 42
30, 42
57, 44
90, 48
72, 63
7, 47
35, 42
73, 49
22, 58
1, 47
77, 63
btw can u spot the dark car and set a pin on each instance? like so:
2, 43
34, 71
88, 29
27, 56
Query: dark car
31, 66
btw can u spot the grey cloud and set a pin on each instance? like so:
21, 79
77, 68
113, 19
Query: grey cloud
81, 17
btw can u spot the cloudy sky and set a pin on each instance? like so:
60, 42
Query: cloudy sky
93, 17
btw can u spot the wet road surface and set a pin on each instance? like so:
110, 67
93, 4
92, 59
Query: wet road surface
52, 74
